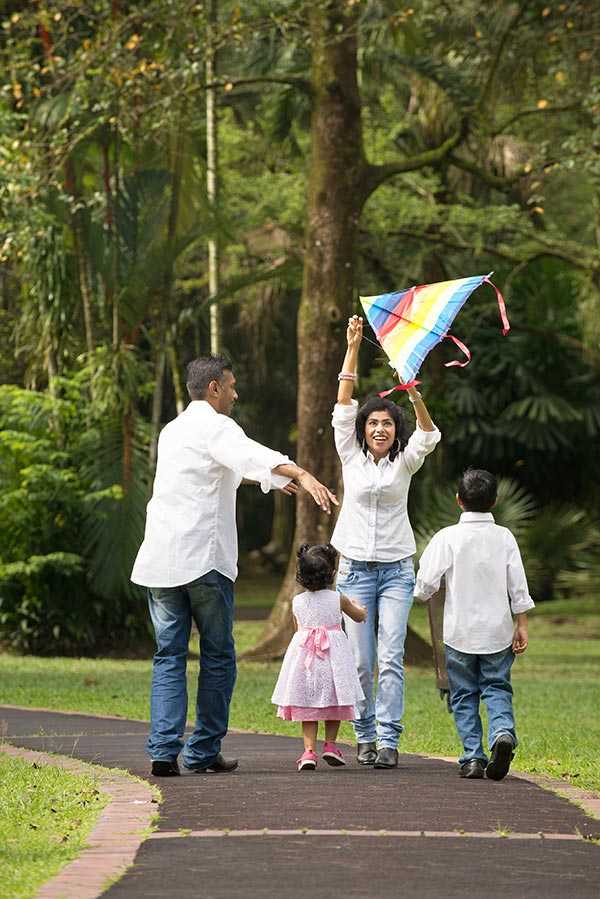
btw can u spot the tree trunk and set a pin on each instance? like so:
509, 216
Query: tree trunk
338, 187
336, 191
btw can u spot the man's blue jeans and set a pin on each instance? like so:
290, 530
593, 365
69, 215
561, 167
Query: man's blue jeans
386, 589
474, 677
209, 602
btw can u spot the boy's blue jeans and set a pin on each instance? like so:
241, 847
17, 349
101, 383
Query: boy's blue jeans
209, 602
386, 589
474, 677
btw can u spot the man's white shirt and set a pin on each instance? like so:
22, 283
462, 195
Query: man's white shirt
190, 524
373, 525
485, 582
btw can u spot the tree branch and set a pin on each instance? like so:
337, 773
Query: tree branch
302, 83
498, 56
535, 111
576, 259
495, 181
377, 174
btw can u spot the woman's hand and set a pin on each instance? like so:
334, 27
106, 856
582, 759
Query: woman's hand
354, 332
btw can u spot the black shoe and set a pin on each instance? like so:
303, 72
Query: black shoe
502, 756
165, 769
475, 769
366, 753
220, 765
386, 758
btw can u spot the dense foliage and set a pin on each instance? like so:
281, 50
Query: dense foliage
481, 129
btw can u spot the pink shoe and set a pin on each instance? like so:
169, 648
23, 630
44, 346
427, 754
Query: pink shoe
332, 755
307, 761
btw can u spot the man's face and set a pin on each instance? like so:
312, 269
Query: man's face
223, 393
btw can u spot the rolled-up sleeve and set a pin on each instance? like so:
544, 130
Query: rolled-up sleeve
246, 458
344, 430
434, 563
518, 590
420, 444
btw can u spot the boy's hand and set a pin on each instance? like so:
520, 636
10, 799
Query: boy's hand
520, 639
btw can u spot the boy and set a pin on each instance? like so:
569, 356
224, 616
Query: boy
485, 587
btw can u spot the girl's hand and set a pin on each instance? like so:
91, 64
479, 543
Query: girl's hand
354, 332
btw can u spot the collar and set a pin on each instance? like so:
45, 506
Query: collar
467, 517
369, 455
201, 406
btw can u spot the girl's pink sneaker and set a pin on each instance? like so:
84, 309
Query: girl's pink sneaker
307, 761
332, 755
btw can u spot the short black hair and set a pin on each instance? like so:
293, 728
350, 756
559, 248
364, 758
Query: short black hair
201, 371
315, 566
477, 490
380, 404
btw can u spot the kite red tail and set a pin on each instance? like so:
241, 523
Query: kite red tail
501, 307
461, 346
403, 386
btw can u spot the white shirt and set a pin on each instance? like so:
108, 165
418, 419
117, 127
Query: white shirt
373, 525
485, 582
190, 522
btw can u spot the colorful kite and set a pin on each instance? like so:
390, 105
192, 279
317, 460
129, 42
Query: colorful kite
409, 323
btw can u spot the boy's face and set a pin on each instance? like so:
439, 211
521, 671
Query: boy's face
380, 433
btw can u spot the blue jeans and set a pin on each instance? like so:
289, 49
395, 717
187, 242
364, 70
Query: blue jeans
474, 677
209, 601
386, 589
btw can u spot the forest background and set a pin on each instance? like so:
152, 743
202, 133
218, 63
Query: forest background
361, 147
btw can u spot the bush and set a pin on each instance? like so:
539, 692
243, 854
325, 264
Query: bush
55, 518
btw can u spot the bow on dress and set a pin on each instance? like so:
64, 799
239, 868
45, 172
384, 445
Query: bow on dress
316, 642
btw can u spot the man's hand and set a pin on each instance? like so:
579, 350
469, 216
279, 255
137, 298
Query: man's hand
321, 494
520, 639
291, 489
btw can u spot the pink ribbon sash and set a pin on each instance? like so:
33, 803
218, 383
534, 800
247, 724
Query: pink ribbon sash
316, 642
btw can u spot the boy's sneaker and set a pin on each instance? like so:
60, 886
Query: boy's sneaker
332, 755
474, 769
502, 756
307, 761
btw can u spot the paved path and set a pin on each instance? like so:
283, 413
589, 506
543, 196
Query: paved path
264, 831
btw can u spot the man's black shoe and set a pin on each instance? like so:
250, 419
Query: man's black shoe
474, 770
165, 769
502, 756
366, 753
220, 765
386, 758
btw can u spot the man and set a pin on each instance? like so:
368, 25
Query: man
188, 561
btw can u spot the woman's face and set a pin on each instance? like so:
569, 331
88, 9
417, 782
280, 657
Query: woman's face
380, 433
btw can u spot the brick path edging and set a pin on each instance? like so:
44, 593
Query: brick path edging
114, 841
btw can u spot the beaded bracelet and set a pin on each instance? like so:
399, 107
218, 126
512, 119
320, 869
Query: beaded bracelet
346, 376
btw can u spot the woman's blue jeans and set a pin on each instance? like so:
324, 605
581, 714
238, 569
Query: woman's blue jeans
209, 602
386, 589
480, 677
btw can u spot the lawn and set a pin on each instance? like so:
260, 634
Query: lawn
46, 815
557, 693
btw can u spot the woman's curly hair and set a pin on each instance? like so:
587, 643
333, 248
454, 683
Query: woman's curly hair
380, 404
315, 566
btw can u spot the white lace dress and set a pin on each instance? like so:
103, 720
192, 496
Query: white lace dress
318, 680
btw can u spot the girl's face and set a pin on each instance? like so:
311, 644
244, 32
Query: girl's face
380, 433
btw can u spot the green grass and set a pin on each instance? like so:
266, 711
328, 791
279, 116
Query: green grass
46, 815
557, 693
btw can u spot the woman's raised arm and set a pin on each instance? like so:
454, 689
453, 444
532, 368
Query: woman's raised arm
347, 375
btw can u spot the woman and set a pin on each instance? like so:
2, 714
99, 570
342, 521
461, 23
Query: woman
375, 540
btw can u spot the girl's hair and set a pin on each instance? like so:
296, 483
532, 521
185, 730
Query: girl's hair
380, 404
315, 567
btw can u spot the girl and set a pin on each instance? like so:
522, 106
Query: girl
318, 679
375, 539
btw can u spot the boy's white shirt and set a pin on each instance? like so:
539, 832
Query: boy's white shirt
485, 582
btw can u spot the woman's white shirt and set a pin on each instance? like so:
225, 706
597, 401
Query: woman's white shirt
373, 525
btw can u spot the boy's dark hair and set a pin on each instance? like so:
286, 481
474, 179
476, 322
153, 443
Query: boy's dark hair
201, 371
477, 490
380, 404
315, 567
